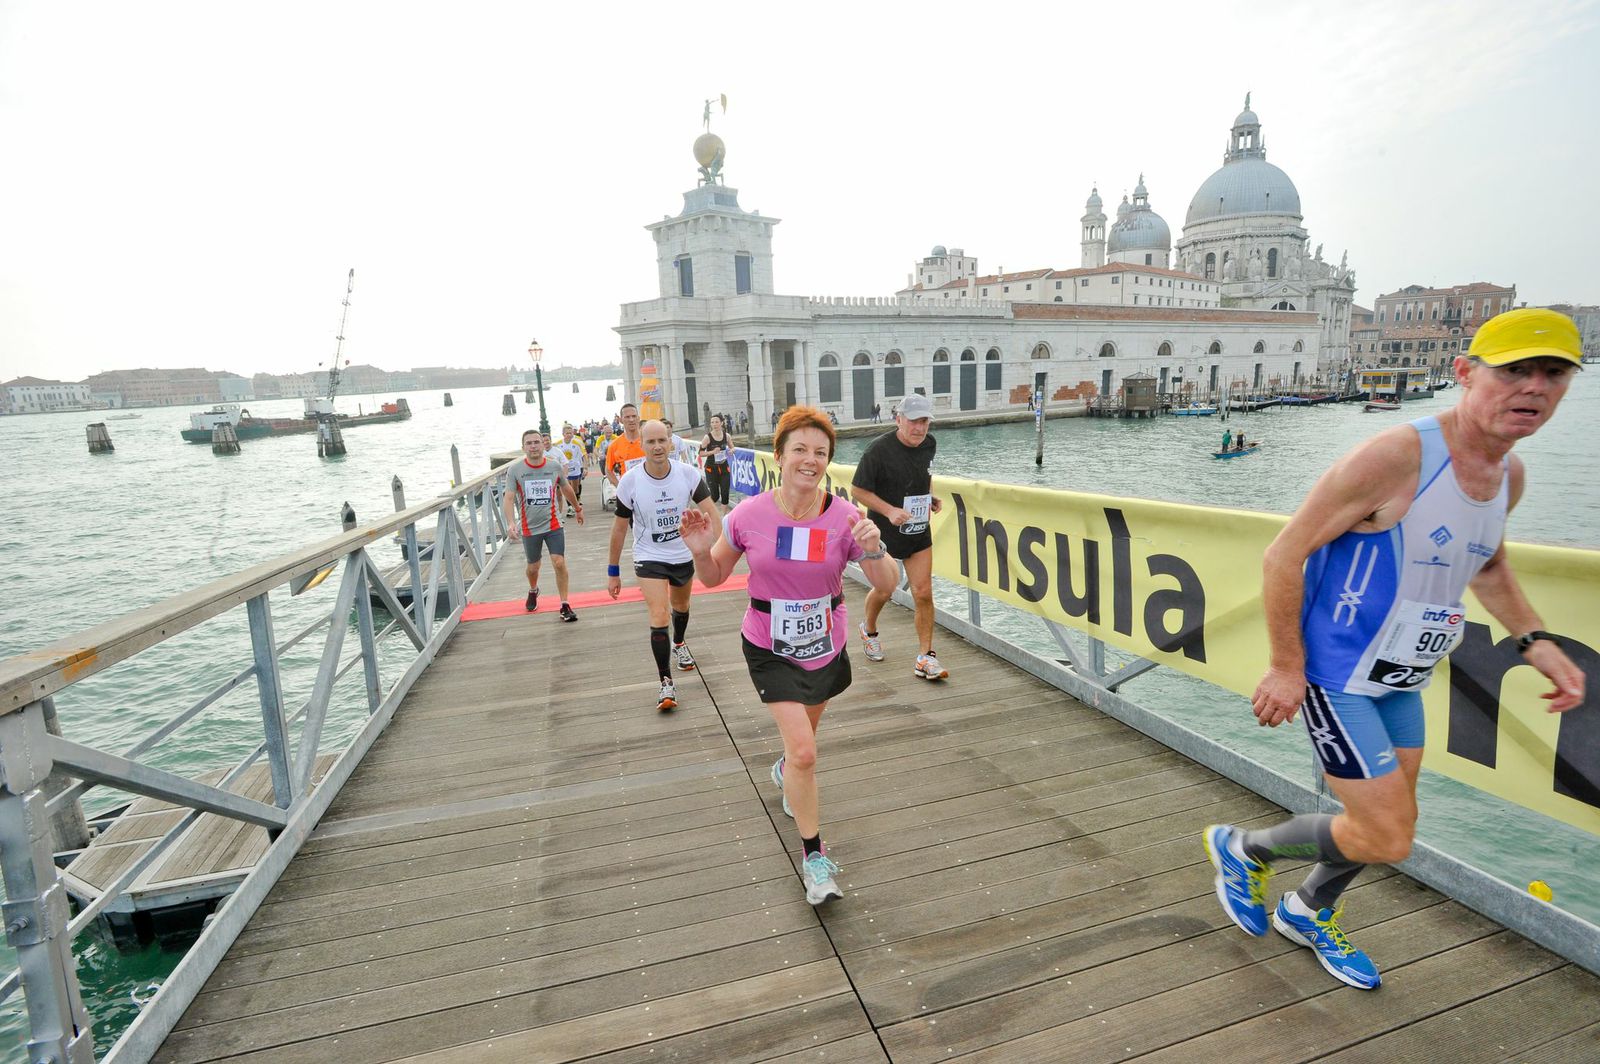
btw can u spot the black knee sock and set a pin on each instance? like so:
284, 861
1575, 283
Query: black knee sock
1308, 835
680, 625
813, 844
1327, 882
658, 647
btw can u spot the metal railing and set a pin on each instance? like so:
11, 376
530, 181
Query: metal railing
36, 910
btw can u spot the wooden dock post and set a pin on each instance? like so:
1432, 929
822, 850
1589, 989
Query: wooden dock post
527, 395
100, 439
224, 440
448, 401
508, 405
347, 517
330, 441
455, 466
399, 491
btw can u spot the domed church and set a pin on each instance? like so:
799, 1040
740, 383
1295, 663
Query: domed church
1244, 229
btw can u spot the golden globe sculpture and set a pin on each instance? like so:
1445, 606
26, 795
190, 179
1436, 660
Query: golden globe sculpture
708, 148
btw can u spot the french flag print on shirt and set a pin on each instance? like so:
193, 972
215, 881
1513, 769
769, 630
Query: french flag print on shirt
802, 544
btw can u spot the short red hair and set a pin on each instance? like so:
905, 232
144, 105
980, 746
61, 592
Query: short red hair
803, 417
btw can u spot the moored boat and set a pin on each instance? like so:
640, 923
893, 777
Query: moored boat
1378, 406
1193, 410
1251, 449
255, 428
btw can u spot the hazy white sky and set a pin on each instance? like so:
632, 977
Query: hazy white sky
187, 183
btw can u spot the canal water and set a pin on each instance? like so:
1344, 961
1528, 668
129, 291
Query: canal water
89, 537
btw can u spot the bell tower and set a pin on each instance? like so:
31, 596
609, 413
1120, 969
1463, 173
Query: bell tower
1094, 230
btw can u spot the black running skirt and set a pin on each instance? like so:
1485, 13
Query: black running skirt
781, 680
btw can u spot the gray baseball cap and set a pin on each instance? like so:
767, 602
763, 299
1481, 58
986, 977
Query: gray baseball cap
915, 407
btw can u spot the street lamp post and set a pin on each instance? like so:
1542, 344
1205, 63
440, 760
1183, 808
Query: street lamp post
536, 352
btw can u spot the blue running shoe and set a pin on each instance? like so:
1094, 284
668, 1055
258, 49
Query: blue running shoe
777, 777
1241, 882
1320, 933
818, 873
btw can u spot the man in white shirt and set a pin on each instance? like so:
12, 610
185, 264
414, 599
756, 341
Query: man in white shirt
651, 497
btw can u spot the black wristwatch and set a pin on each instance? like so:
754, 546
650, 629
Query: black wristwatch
1526, 641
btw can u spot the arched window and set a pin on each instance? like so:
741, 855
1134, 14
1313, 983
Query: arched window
941, 372
862, 359
1108, 350
688, 368
1211, 265
829, 389
969, 355
894, 374
991, 370
1283, 304
1299, 346
1164, 351
1058, 299
1272, 262
1040, 351
1260, 348
1215, 348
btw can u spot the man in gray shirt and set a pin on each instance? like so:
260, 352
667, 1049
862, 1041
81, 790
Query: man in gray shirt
534, 486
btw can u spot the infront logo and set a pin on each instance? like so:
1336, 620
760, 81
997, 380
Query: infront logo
1449, 617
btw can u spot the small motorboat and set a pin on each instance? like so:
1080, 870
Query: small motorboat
1193, 410
1378, 406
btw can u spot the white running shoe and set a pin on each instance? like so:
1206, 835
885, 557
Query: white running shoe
928, 667
873, 645
685, 659
777, 777
818, 873
669, 697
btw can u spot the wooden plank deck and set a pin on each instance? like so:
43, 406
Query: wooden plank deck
532, 865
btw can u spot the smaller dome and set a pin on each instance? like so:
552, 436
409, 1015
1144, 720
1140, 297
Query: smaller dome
1246, 117
1093, 203
1143, 230
939, 251
1123, 208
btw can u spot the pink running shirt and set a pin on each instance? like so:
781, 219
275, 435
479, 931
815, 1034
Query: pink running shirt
780, 553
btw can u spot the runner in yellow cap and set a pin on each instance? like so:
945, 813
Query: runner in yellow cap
1363, 591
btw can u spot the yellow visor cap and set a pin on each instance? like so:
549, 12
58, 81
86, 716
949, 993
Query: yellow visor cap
1532, 332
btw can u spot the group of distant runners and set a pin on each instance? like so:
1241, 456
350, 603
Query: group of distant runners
1362, 590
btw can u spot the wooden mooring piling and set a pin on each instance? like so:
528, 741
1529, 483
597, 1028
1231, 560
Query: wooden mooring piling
224, 440
100, 439
330, 441
508, 405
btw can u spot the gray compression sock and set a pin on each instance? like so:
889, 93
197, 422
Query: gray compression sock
1308, 835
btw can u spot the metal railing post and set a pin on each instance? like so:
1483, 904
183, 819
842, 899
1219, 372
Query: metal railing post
71, 830
417, 614
369, 641
477, 534
458, 587
975, 608
270, 686
36, 912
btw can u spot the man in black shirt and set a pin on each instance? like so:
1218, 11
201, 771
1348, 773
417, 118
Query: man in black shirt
894, 482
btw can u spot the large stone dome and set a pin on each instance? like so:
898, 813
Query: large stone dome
1244, 186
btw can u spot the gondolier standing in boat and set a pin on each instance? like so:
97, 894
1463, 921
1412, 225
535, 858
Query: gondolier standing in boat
1389, 540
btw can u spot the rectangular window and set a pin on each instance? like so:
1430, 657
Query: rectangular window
991, 376
1029, 287
741, 274
828, 385
894, 381
1008, 288
1116, 279
941, 378
685, 267
1084, 283
1058, 286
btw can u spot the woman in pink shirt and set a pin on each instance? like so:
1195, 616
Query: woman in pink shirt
796, 539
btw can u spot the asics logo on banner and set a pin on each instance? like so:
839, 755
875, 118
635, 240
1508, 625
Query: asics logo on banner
743, 467
1449, 617
1350, 597
1441, 535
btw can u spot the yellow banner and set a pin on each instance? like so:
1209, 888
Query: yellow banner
1181, 585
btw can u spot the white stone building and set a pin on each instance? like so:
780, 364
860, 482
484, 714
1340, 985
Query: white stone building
1244, 229
723, 340
34, 395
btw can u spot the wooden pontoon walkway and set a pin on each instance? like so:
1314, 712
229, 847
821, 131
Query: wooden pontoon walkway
532, 865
